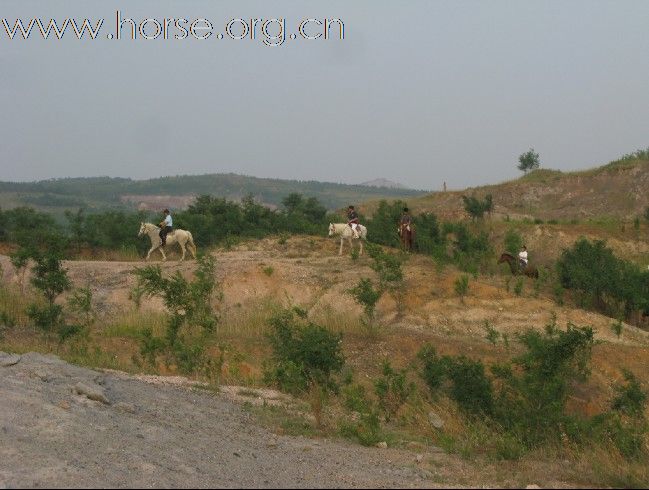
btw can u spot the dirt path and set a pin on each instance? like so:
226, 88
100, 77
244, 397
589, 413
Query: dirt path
52, 434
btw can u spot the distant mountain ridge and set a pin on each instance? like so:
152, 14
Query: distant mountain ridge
122, 193
384, 183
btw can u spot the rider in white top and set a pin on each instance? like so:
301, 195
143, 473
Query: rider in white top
522, 257
165, 227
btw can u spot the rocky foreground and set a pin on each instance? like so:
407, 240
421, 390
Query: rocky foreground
67, 426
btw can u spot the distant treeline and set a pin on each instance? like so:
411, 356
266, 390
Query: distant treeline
102, 193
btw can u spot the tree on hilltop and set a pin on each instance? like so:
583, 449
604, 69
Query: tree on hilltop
529, 161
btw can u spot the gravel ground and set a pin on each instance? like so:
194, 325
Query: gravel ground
67, 426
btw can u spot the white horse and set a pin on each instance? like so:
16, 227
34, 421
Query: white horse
345, 232
181, 237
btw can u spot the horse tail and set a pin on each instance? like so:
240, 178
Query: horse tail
191, 244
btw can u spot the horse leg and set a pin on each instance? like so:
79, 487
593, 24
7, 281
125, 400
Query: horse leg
360, 242
340, 252
182, 247
149, 254
164, 256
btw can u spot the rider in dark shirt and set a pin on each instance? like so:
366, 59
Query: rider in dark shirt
352, 220
406, 219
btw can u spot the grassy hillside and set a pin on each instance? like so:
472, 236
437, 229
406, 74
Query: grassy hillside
617, 190
177, 191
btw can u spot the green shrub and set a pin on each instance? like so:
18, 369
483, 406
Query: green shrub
80, 302
603, 281
467, 383
617, 328
462, 286
47, 317
630, 398
477, 208
470, 387
367, 430
354, 398
518, 287
304, 353
7, 319
513, 242
532, 399
190, 314
367, 296
392, 390
492, 334
434, 369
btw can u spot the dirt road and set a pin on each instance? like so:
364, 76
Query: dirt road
137, 434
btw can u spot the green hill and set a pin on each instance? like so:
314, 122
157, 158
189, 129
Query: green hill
616, 190
101, 193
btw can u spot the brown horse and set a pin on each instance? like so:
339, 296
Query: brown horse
407, 234
529, 271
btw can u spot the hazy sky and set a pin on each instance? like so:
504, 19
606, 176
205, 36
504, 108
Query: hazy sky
419, 92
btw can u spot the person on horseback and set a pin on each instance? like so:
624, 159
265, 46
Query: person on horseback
406, 220
166, 227
522, 258
352, 220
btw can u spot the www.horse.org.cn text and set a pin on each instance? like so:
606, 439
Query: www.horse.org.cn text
270, 32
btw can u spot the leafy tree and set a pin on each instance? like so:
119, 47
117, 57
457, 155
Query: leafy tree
367, 296
76, 222
189, 305
384, 223
51, 279
477, 208
602, 280
513, 242
529, 161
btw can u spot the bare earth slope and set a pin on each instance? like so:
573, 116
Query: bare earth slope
616, 190
156, 435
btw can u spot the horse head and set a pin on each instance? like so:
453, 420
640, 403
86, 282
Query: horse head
505, 257
332, 229
142, 229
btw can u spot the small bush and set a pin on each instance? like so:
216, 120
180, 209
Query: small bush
513, 242
367, 296
471, 388
462, 286
7, 319
492, 334
467, 383
518, 287
268, 270
47, 317
617, 328
367, 430
190, 314
303, 353
80, 302
392, 390
631, 398
434, 368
